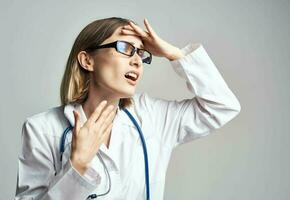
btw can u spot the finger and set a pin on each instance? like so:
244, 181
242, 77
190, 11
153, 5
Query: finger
149, 28
77, 122
106, 134
108, 120
128, 27
129, 32
104, 115
139, 30
96, 113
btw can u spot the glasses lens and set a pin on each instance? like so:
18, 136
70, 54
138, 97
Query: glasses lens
145, 55
125, 48
128, 49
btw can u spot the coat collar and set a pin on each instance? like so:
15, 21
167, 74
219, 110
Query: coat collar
121, 119
121, 116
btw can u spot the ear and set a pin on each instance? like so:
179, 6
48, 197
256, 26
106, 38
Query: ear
86, 61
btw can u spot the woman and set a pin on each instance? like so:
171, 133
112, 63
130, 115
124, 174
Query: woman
90, 147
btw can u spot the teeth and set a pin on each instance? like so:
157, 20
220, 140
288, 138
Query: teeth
132, 74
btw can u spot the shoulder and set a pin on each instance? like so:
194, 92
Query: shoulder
141, 101
49, 115
147, 105
47, 121
145, 101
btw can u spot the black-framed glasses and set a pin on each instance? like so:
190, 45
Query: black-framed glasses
126, 48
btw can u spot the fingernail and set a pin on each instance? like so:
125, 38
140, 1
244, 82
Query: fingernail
75, 113
104, 101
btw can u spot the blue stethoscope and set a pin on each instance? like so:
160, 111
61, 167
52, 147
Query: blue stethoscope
94, 196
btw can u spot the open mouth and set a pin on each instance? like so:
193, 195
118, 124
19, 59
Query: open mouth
132, 77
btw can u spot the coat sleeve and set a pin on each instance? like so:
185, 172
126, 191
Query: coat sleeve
37, 178
212, 104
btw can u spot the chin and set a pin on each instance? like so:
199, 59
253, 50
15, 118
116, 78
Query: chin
128, 95
125, 93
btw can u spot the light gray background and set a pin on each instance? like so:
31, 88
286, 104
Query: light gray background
247, 159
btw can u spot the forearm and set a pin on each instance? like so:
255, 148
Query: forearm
174, 54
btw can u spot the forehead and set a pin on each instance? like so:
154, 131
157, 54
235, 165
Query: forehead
118, 35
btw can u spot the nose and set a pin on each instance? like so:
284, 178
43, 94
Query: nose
136, 60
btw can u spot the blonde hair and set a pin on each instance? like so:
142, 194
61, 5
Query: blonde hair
75, 82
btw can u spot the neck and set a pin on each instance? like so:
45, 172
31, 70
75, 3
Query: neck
95, 98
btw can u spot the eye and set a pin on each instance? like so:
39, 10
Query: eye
141, 52
125, 47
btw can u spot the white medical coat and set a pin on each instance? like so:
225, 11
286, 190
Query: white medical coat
165, 125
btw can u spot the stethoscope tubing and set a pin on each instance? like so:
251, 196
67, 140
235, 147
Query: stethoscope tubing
144, 152
92, 196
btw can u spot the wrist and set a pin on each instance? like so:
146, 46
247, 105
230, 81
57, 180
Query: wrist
174, 54
79, 166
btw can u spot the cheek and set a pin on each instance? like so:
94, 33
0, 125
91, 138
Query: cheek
110, 70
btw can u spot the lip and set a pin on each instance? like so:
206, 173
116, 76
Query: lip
134, 71
131, 82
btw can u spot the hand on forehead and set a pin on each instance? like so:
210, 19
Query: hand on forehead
134, 39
